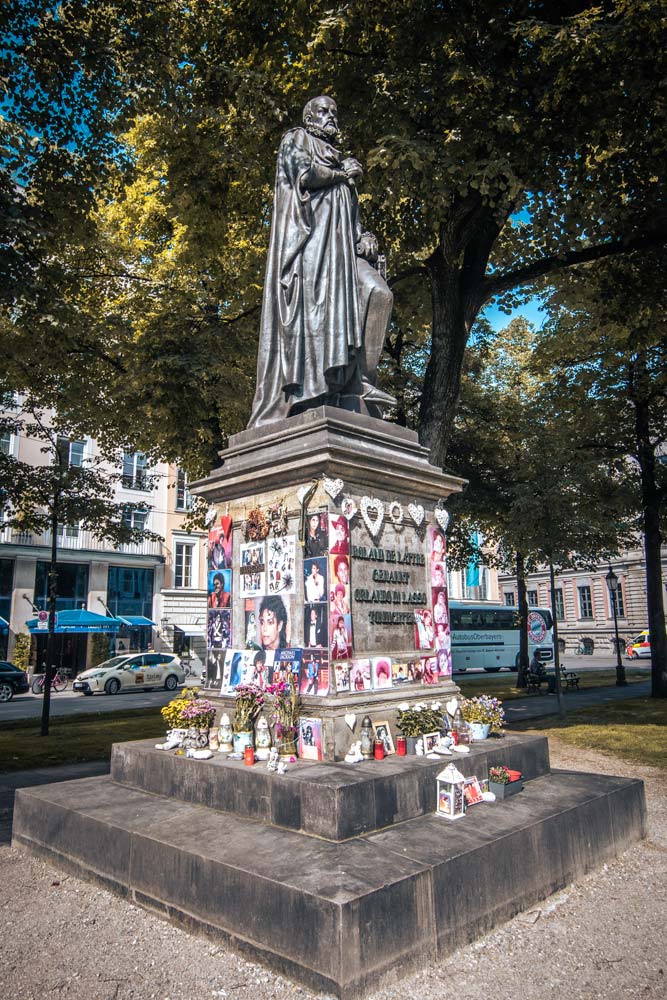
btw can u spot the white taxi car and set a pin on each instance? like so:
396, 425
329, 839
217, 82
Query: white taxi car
132, 672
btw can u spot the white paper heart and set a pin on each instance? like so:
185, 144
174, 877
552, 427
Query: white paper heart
349, 508
416, 512
334, 487
442, 517
211, 515
351, 718
369, 504
451, 706
301, 492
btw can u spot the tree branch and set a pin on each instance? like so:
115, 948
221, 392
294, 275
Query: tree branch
548, 265
410, 272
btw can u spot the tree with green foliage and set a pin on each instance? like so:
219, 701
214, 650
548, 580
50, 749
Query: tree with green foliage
607, 343
502, 145
536, 490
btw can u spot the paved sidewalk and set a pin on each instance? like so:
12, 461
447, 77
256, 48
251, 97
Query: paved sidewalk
536, 706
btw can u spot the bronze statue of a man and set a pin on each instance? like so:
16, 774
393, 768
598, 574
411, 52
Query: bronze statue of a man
326, 308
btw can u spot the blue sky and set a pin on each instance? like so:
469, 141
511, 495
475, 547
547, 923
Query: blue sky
531, 310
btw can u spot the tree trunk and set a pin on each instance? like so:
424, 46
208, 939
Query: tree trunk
449, 336
522, 674
652, 541
559, 688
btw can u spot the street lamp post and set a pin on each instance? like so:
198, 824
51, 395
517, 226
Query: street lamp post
612, 584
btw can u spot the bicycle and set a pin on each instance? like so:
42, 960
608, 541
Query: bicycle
59, 682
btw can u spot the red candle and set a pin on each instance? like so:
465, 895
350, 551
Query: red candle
249, 755
379, 750
401, 746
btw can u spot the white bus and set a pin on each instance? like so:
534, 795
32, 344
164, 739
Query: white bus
488, 637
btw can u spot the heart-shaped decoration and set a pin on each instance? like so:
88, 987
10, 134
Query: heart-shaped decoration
334, 487
451, 706
351, 718
301, 492
369, 504
348, 508
417, 513
442, 517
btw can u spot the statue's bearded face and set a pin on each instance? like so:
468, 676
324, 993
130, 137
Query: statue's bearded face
321, 116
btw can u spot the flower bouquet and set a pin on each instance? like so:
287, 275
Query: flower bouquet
485, 710
198, 713
285, 715
173, 712
248, 701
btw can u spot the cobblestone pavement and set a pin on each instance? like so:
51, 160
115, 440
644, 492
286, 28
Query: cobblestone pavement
603, 936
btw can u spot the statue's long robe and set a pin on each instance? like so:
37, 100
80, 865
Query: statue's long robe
311, 330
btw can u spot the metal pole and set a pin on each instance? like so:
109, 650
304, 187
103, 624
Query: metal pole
612, 583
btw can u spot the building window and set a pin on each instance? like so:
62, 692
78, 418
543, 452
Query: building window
72, 590
130, 591
531, 597
134, 470
183, 497
559, 605
68, 531
183, 553
5, 442
133, 518
616, 598
71, 452
509, 598
585, 602
6, 586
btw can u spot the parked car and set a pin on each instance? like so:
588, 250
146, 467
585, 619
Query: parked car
639, 646
132, 672
13, 681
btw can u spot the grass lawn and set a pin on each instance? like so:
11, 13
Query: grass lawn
634, 730
74, 738
502, 685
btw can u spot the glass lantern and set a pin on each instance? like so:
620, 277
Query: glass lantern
225, 734
451, 802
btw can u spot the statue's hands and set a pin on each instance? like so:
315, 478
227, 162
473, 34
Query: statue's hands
367, 247
352, 168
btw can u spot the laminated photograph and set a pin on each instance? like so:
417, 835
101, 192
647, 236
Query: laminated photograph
342, 676
219, 629
310, 739
316, 541
273, 615
314, 673
219, 549
360, 675
281, 564
315, 580
381, 672
252, 569
220, 588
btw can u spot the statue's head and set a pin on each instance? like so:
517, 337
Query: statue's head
320, 116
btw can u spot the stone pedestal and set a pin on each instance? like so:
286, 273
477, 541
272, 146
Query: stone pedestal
390, 568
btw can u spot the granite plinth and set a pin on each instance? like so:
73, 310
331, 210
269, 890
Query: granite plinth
336, 916
335, 801
372, 453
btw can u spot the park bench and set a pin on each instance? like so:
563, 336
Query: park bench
568, 679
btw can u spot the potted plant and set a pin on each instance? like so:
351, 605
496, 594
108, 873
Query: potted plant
248, 701
483, 714
504, 782
285, 715
416, 720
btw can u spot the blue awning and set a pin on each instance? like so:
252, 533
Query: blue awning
4, 626
135, 621
79, 621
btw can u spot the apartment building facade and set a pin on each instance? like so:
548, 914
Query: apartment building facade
584, 602
158, 588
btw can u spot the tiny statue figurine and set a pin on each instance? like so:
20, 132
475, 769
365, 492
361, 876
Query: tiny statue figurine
419, 747
282, 767
225, 735
367, 739
354, 754
174, 739
262, 739
272, 763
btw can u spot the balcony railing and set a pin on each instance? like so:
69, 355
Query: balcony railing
79, 541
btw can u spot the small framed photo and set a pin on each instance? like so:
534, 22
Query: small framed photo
430, 741
472, 791
383, 732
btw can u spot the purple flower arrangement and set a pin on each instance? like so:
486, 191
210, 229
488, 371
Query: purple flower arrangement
248, 702
199, 713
